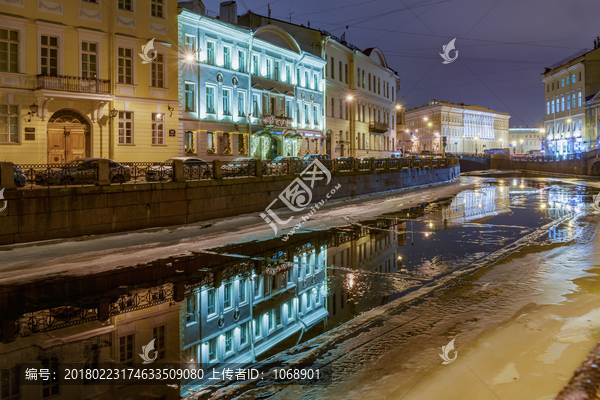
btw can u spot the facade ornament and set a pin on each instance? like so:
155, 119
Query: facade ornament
220, 78
234, 80
312, 97
302, 95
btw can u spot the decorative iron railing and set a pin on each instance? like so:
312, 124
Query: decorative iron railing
239, 169
345, 165
364, 165
378, 127
379, 163
275, 168
73, 84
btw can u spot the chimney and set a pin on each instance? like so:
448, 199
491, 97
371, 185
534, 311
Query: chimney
228, 12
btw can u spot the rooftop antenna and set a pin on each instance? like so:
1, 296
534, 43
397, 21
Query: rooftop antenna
291, 17
269, 6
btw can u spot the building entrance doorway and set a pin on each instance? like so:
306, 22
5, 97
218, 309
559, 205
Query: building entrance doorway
68, 137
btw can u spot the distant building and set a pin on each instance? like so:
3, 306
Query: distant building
571, 88
523, 140
467, 128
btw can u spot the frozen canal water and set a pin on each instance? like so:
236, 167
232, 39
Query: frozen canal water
506, 266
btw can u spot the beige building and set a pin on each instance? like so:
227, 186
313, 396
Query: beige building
523, 140
467, 128
571, 123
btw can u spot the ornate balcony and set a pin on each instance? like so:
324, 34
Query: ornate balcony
73, 84
281, 121
378, 127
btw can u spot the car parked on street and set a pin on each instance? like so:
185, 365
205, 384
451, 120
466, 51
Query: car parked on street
310, 157
193, 167
82, 171
20, 178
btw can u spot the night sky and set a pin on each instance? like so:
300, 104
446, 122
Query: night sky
503, 45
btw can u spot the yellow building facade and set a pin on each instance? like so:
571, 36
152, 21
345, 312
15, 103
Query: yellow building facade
73, 85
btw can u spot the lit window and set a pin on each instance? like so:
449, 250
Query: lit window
211, 307
49, 56
241, 105
227, 295
158, 333
158, 128
210, 100
9, 123
242, 291
125, 127
158, 71
226, 102
210, 53
89, 61
125, 69
212, 349
190, 97
9, 50
229, 341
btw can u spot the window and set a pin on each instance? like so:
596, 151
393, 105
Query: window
126, 350
341, 107
579, 77
210, 100
347, 111
190, 97
267, 286
332, 68
316, 82
9, 50
363, 79
211, 300
241, 105
9, 383
257, 327
244, 334
562, 83
255, 64
242, 291
226, 102
547, 108
290, 276
50, 386
125, 127
241, 61
378, 85
569, 103
573, 79
369, 81
580, 125
210, 52
226, 57
346, 72
276, 75
340, 70
278, 316
269, 68
298, 76
125, 63
298, 112
89, 62
158, 332
579, 99
158, 71
552, 103
158, 128
125, 5
9, 123
333, 107
227, 295
229, 341
288, 109
290, 310
568, 80
306, 79
315, 116
157, 8
306, 115
189, 142
288, 73
562, 104
255, 109
212, 349
49, 55
274, 282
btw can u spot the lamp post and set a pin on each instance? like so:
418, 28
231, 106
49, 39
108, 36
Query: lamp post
521, 143
476, 139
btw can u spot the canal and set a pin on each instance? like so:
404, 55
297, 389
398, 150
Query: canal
359, 303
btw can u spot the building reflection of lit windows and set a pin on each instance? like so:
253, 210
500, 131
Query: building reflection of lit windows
256, 286
242, 291
191, 309
257, 328
158, 333
211, 307
227, 295
212, 350
290, 310
244, 334
229, 341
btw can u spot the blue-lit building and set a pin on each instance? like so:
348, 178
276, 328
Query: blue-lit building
246, 92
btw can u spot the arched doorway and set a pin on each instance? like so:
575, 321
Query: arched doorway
68, 137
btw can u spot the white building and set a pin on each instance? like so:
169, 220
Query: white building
466, 128
247, 92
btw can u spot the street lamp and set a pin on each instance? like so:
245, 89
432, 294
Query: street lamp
33, 109
476, 139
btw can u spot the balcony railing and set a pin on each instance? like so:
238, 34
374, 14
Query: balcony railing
73, 84
378, 127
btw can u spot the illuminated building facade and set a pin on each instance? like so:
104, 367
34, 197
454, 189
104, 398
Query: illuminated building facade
247, 92
571, 124
467, 128
524, 140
